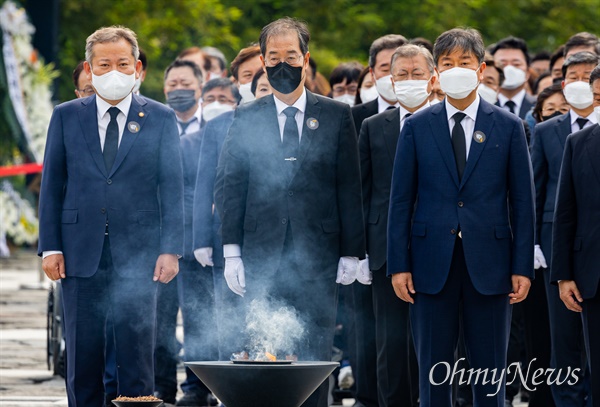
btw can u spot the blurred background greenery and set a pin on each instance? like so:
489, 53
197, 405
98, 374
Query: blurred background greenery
341, 30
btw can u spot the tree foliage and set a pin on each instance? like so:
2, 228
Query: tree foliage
341, 29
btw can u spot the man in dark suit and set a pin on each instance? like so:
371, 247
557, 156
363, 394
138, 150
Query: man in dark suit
362, 337
412, 71
110, 213
455, 250
291, 206
546, 157
576, 237
510, 54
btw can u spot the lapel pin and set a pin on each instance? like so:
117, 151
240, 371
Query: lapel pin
141, 114
312, 123
479, 136
133, 127
290, 159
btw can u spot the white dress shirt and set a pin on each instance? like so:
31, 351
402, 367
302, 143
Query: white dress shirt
299, 104
102, 107
518, 99
404, 112
195, 125
574, 116
467, 123
382, 105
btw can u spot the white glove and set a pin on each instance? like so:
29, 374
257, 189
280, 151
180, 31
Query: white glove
364, 275
347, 270
538, 258
203, 256
235, 275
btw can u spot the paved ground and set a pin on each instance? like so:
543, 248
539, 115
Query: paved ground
24, 376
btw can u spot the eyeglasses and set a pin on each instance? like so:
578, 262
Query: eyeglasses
547, 111
220, 99
290, 60
86, 91
339, 90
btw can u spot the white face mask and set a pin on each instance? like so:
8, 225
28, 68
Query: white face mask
246, 93
458, 83
411, 93
138, 84
578, 94
488, 94
513, 77
368, 94
345, 98
385, 88
597, 112
215, 109
113, 85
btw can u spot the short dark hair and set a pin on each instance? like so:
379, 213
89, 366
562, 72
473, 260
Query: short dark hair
142, 58
390, 41
255, 80
76, 72
424, 42
556, 55
583, 39
541, 98
350, 71
180, 63
512, 43
283, 25
466, 39
580, 58
595, 75
536, 85
541, 56
244, 55
224, 83
361, 79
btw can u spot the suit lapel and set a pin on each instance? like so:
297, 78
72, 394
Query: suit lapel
592, 148
563, 128
311, 113
391, 132
268, 131
484, 124
441, 135
137, 114
88, 118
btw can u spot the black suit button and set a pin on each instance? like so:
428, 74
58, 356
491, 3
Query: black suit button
103, 210
290, 193
453, 231
109, 181
460, 204
284, 221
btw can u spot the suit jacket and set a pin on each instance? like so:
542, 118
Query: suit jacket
546, 157
190, 156
364, 110
321, 202
428, 204
377, 147
141, 197
576, 235
526, 105
207, 223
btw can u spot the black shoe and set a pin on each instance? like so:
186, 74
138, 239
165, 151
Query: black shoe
167, 398
192, 400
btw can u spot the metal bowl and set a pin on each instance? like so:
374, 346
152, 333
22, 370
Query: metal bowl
137, 403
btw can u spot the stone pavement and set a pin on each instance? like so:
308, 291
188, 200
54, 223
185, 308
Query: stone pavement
25, 379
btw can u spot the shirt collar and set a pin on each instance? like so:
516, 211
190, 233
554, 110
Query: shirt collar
518, 98
382, 105
103, 106
470, 111
574, 116
299, 104
404, 112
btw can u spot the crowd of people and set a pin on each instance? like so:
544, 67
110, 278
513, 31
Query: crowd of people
419, 207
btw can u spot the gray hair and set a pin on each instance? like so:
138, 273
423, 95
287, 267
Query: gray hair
411, 50
580, 58
111, 34
465, 39
390, 41
222, 83
595, 75
284, 25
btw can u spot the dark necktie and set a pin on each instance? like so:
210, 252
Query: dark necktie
291, 139
111, 142
581, 122
407, 115
185, 125
459, 144
511, 106
390, 107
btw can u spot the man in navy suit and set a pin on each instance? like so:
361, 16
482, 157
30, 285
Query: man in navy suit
546, 157
291, 209
111, 221
576, 236
453, 249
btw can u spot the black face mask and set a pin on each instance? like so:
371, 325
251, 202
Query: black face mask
181, 100
284, 78
557, 113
